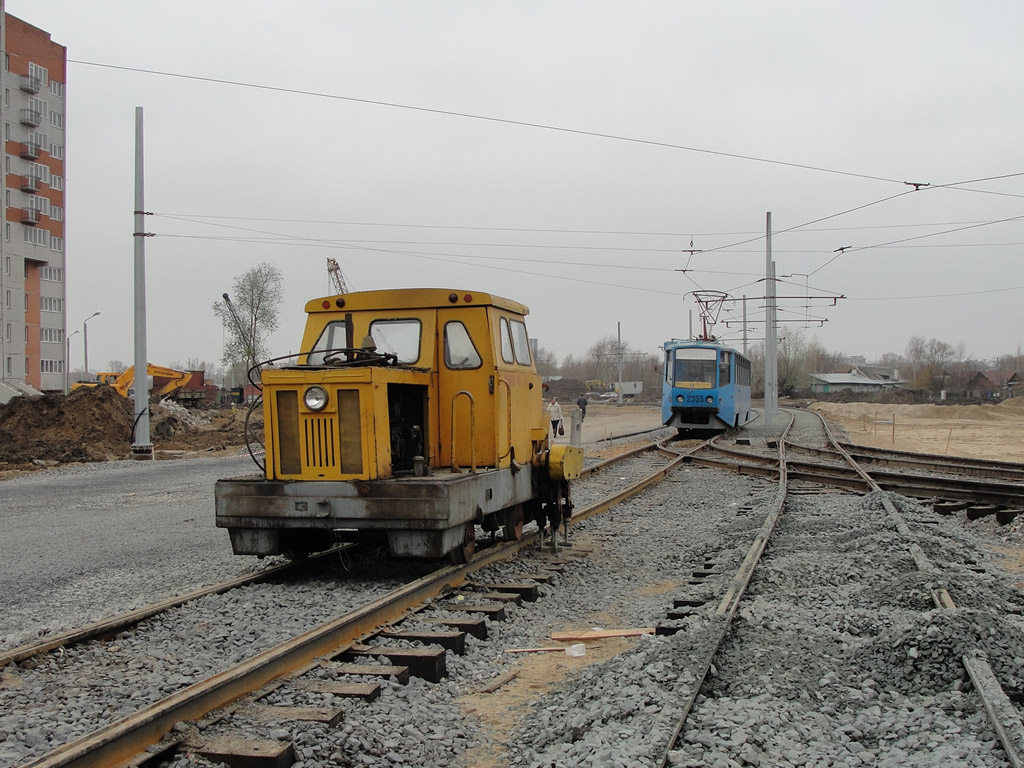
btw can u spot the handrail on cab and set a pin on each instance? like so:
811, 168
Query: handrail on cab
472, 431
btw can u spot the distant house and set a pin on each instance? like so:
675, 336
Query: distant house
991, 385
860, 378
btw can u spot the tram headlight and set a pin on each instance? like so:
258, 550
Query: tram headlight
679, 398
709, 400
315, 398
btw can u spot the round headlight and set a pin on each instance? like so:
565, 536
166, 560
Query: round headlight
709, 399
679, 398
316, 398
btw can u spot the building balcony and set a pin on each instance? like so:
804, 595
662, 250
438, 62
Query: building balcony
31, 117
30, 216
29, 150
28, 183
31, 84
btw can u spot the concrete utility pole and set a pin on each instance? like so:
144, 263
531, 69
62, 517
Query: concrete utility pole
619, 350
67, 365
771, 370
142, 448
85, 341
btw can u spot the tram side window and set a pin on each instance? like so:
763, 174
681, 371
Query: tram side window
724, 364
459, 351
506, 342
742, 371
695, 368
397, 337
521, 342
333, 336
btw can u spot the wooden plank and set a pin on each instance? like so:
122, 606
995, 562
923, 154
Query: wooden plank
547, 649
496, 597
246, 753
499, 681
600, 634
493, 612
527, 590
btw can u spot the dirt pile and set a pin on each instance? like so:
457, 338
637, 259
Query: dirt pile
95, 424
87, 425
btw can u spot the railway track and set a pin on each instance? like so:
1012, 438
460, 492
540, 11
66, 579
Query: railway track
710, 602
56, 663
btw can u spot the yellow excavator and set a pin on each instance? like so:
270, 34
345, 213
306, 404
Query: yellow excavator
166, 381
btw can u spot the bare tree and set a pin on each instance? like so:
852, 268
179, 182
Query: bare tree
249, 314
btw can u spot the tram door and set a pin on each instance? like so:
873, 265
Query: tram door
466, 387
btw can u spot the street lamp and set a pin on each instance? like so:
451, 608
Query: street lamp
67, 365
85, 340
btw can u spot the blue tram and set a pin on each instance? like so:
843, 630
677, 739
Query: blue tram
706, 387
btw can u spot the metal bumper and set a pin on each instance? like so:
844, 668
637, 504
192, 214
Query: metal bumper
423, 516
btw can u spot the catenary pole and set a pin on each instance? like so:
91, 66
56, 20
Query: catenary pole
771, 374
142, 448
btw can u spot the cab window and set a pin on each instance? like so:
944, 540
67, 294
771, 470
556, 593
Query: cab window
333, 336
459, 351
520, 342
397, 337
506, 342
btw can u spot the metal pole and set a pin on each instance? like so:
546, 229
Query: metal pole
745, 325
85, 341
142, 448
770, 351
67, 366
620, 362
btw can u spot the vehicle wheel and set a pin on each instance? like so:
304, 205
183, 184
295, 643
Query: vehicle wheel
512, 523
464, 553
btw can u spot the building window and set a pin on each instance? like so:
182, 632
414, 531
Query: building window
8, 331
57, 89
9, 367
41, 172
56, 213
26, 366
54, 274
51, 335
38, 106
56, 243
51, 304
7, 234
51, 366
35, 72
57, 150
7, 300
57, 120
7, 97
39, 203
57, 182
36, 236
7, 262
7, 131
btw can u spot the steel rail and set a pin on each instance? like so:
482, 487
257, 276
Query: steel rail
724, 615
1002, 713
948, 465
120, 741
114, 624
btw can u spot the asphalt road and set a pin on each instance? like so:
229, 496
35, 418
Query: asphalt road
88, 541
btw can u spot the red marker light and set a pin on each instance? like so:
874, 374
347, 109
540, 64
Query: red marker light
467, 298
326, 304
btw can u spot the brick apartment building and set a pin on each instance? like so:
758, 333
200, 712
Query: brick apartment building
33, 296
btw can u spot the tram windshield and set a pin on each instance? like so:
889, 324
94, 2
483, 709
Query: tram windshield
694, 368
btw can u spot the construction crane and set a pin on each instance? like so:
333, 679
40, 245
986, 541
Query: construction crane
336, 275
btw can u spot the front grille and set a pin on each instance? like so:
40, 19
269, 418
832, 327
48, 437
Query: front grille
319, 433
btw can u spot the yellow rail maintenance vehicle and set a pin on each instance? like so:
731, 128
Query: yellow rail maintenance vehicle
415, 413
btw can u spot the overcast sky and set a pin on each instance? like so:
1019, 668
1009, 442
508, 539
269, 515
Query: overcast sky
709, 115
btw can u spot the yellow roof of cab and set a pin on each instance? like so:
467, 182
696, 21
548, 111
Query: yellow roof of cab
411, 298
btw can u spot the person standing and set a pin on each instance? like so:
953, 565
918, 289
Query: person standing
555, 414
581, 401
